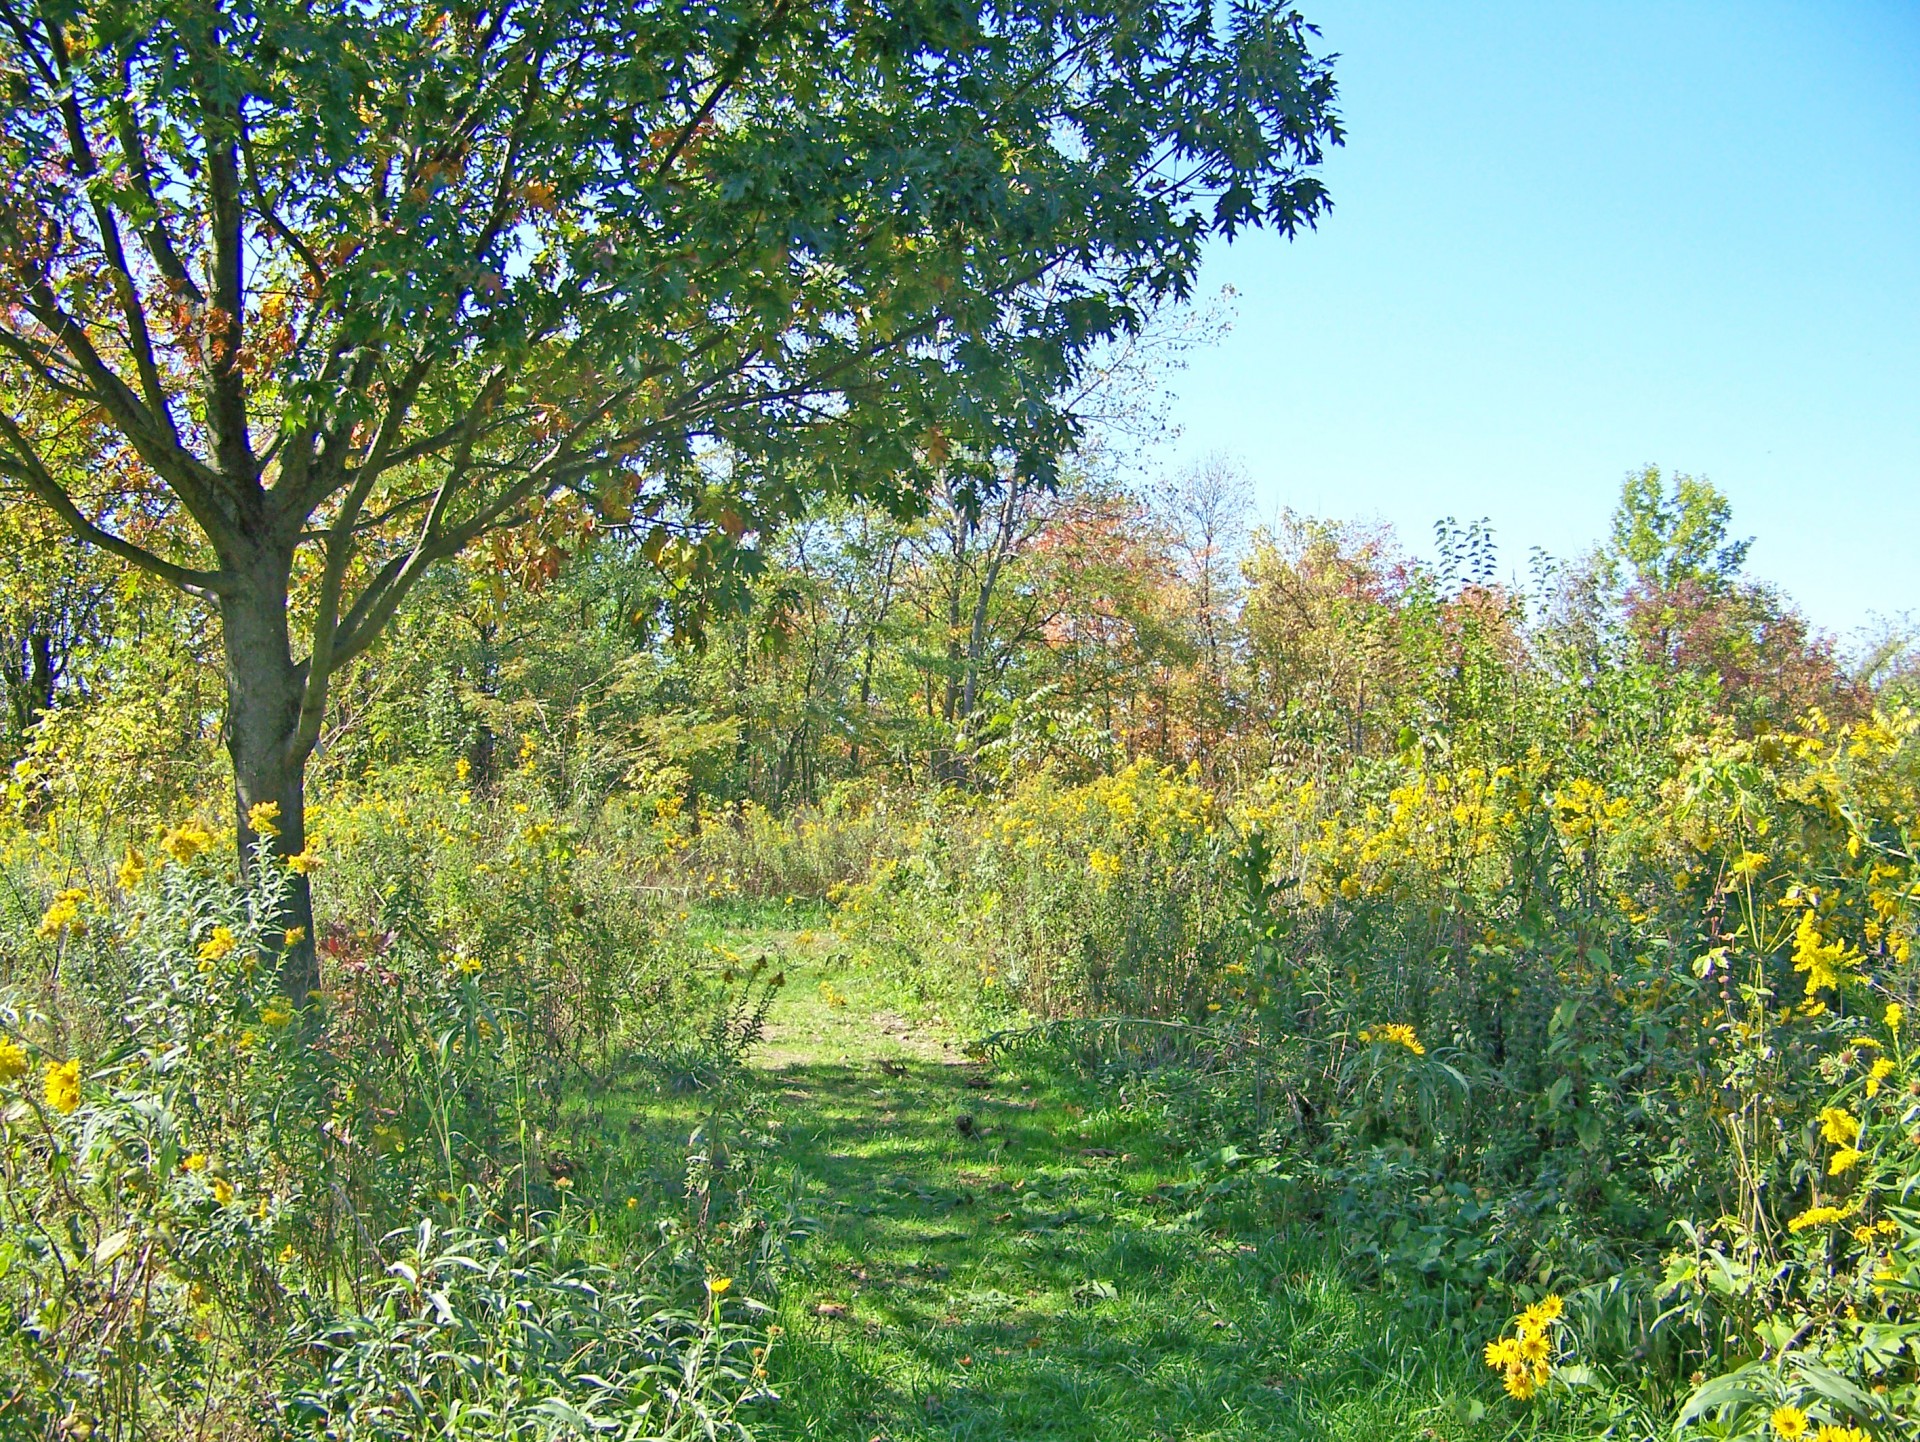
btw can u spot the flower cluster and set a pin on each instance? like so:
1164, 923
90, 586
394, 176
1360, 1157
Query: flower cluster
1394, 1033
64, 915
62, 1086
1792, 1424
1525, 1360
186, 841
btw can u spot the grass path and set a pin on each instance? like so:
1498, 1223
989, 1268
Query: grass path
999, 1254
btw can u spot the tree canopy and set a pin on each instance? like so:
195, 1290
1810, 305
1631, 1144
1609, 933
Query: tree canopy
297, 299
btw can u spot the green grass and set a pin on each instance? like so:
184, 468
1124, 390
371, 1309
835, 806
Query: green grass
1035, 1279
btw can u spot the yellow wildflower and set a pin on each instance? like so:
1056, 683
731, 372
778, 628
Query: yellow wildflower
222, 1190
1880, 1071
197, 1162
218, 946
132, 871
276, 1012
295, 935
304, 864
1839, 1126
63, 1086
13, 1060
1843, 1161
186, 841
1398, 1033
1834, 1432
64, 914
718, 1285
1894, 1012
1826, 963
1815, 1217
1789, 1422
263, 818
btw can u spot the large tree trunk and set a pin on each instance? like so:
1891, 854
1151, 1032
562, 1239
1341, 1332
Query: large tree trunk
265, 687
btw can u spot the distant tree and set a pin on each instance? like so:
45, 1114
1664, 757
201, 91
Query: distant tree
55, 603
1668, 532
1688, 606
338, 287
1206, 507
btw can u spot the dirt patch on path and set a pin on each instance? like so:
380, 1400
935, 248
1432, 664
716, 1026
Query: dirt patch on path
826, 1016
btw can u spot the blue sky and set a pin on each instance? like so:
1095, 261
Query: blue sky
1571, 238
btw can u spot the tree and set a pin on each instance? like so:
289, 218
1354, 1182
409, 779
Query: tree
1666, 533
341, 286
1207, 506
54, 601
1689, 607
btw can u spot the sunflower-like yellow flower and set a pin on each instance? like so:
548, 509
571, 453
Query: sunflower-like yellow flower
1789, 1422
13, 1060
1834, 1432
1396, 1033
62, 1086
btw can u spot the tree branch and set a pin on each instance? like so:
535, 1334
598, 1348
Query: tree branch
85, 167
723, 81
221, 126
28, 467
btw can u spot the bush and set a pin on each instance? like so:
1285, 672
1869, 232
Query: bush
222, 1209
1514, 1017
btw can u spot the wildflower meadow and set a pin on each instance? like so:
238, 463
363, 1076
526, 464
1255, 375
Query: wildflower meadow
623, 814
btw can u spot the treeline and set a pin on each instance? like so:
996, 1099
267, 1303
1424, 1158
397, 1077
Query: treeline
1010, 627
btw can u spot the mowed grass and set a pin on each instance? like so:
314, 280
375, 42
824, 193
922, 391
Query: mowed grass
1000, 1252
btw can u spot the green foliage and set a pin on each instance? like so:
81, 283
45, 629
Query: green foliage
217, 1207
1523, 947
1668, 533
477, 1333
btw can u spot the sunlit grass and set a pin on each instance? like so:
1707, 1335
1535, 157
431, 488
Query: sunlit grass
1028, 1277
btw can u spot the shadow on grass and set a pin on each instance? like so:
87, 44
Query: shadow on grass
1020, 1275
